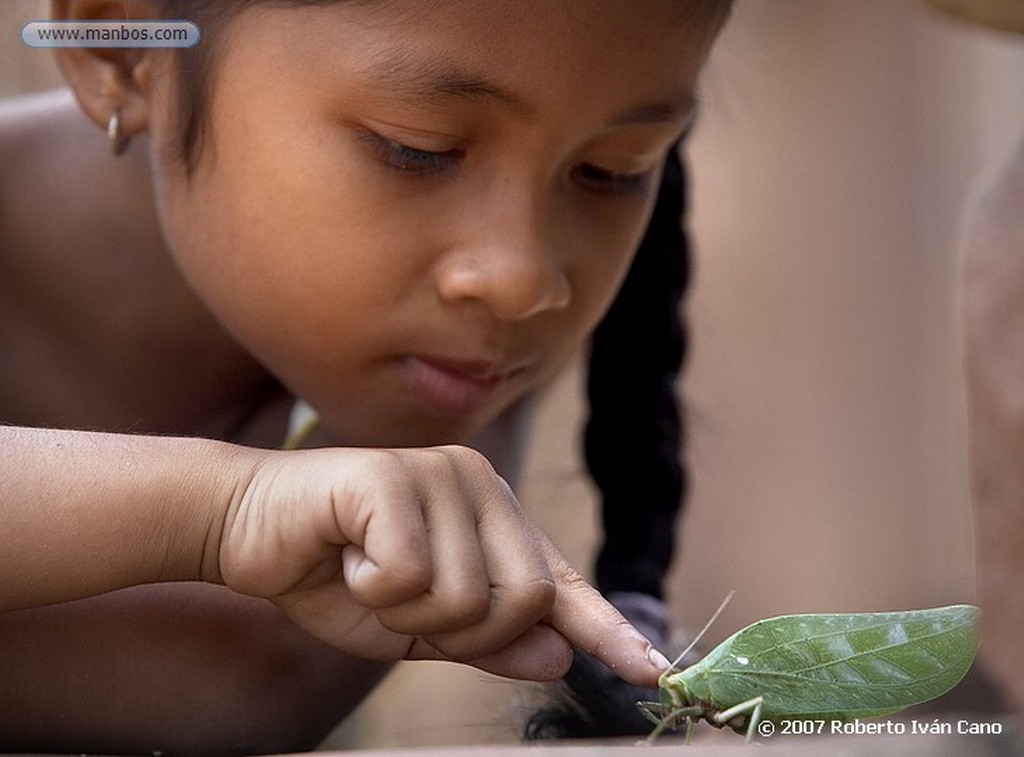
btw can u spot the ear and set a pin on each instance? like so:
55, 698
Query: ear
108, 80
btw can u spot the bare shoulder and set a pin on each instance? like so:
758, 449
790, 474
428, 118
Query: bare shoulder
27, 111
58, 184
37, 129
46, 145
52, 158
98, 328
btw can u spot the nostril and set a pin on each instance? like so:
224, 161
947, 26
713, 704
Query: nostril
512, 287
530, 294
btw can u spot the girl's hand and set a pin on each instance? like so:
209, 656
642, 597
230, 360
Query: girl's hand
418, 554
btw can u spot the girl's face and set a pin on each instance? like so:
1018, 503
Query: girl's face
415, 212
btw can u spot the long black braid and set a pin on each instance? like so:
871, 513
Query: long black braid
632, 445
632, 438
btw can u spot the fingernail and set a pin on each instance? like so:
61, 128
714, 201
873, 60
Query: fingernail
657, 659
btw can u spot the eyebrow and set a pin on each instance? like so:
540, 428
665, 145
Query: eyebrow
436, 80
664, 111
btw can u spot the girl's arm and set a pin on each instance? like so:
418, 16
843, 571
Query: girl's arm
86, 513
385, 554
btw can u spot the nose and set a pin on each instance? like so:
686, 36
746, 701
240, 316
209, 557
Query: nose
507, 264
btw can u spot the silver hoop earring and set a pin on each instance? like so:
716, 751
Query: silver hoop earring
118, 141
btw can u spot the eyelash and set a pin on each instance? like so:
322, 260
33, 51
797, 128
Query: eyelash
414, 162
410, 161
612, 182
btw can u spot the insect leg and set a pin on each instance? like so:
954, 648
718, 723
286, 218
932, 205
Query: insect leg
651, 711
671, 720
753, 706
691, 726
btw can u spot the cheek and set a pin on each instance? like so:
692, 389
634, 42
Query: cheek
270, 229
296, 280
602, 259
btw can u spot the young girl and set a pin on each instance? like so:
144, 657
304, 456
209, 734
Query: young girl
409, 214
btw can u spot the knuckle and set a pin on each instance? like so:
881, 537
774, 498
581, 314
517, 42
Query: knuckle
369, 473
570, 577
390, 586
535, 598
382, 463
409, 578
468, 459
464, 607
433, 465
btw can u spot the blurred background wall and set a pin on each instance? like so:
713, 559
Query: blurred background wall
21, 68
836, 152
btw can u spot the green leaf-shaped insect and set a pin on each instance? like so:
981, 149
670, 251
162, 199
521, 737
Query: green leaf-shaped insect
822, 667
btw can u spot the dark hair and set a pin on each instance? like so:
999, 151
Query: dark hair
632, 439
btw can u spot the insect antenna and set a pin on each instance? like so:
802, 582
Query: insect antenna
697, 638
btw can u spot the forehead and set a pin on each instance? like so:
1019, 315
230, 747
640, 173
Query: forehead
636, 24
526, 50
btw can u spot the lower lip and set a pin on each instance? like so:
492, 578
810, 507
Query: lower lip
446, 389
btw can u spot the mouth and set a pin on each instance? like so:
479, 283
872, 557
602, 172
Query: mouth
453, 386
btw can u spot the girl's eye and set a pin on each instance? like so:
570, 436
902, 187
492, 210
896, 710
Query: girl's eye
409, 161
604, 181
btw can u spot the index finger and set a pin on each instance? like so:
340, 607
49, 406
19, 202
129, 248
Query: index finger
588, 621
